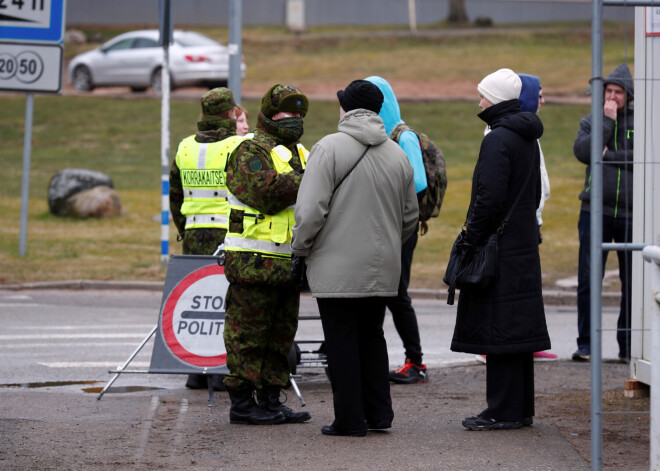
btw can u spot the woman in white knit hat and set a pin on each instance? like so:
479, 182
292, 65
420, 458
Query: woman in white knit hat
506, 320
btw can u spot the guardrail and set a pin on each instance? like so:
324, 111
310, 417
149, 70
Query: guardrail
651, 254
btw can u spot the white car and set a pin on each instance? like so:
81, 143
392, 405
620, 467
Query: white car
135, 59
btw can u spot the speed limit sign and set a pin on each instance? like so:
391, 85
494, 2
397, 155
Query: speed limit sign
31, 67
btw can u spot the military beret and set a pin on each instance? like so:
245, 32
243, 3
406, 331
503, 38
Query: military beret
283, 98
217, 100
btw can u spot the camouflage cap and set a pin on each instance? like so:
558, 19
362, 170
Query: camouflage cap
284, 98
217, 100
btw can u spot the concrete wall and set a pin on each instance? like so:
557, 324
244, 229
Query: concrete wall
333, 12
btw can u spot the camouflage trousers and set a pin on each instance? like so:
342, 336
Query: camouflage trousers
260, 324
202, 241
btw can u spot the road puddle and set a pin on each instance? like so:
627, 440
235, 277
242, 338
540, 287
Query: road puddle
121, 389
90, 390
45, 384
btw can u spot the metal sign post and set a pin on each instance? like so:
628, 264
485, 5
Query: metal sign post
25, 180
235, 48
165, 41
28, 66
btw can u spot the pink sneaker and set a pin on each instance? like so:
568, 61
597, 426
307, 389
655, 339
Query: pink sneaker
480, 358
544, 356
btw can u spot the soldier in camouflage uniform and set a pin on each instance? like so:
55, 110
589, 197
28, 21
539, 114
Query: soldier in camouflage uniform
263, 176
217, 123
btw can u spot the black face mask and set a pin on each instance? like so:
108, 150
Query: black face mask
293, 125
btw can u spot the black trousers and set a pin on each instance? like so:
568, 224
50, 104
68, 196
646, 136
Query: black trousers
619, 230
403, 314
510, 387
357, 361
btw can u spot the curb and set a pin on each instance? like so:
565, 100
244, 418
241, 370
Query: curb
551, 297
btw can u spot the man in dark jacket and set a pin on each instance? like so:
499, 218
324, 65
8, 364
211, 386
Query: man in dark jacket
618, 123
505, 320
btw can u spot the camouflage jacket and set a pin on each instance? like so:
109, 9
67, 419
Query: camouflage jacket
197, 241
252, 178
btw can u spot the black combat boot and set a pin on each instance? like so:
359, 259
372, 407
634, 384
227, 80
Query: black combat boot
244, 410
269, 400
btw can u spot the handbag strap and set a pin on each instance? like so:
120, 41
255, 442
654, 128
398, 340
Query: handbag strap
518, 196
349, 172
505, 221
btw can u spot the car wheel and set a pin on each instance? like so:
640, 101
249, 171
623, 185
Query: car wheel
82, 79
157, 81
138, 89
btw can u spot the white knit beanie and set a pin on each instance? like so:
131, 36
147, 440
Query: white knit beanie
500, 86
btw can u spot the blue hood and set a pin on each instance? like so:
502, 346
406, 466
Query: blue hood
389, 112
529, 94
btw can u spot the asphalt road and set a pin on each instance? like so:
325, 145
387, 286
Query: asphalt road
56, 347
63, 335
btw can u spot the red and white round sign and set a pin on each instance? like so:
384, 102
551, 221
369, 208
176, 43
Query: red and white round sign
193, 317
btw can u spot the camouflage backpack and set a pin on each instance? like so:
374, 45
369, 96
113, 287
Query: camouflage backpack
430, 199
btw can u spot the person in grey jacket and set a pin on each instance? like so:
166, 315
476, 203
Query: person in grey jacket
351, 235
618, 137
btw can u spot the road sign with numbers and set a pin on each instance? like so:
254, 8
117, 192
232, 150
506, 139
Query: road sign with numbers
31, 67
32, 20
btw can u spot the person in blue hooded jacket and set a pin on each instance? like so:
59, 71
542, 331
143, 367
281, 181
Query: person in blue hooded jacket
403, 313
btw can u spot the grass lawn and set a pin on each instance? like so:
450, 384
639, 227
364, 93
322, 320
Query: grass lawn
122, 138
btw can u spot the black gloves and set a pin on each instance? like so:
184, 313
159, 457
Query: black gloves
299, 272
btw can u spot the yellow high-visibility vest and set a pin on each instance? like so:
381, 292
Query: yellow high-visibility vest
266, 234
204, 181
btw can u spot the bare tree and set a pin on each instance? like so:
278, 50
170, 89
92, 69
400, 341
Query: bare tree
457, 13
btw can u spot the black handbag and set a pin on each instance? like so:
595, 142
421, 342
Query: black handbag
477, 267
472, 268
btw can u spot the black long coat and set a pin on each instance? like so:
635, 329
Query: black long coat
508, 317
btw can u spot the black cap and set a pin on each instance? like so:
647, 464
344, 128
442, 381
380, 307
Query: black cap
360, 94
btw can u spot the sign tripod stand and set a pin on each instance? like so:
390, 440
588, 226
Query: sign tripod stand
188, 336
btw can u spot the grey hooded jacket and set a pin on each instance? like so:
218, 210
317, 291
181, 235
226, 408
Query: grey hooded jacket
352, 239
618, 137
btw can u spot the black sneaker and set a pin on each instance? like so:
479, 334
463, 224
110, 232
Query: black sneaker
481, 423
580, 356
409, 373
623, 358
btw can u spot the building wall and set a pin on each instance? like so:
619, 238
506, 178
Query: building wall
331, 12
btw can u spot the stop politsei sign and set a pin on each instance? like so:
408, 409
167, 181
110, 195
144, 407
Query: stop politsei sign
193, 318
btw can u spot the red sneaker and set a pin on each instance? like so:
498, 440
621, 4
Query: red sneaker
409, 373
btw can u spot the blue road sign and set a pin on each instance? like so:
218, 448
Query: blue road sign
32, 20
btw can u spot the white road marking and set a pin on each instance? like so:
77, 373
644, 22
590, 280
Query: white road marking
92, 364
60, 345
73, 336
146, 427
178, 427
141, 327
20, 305
16, 297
